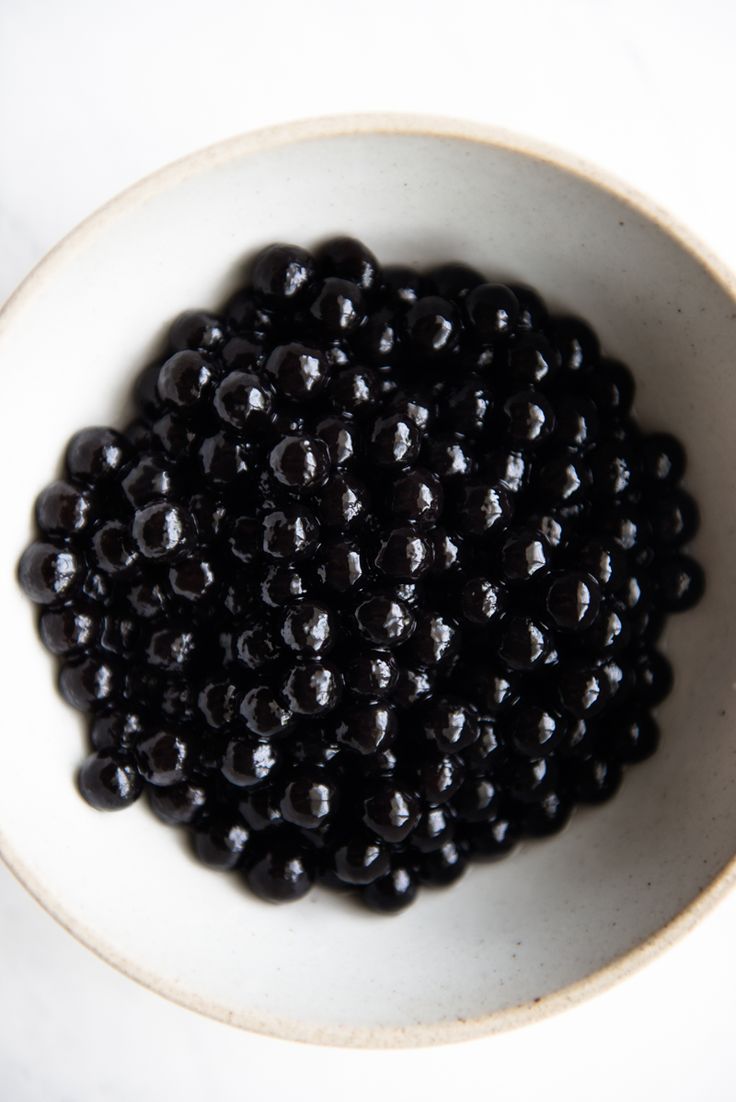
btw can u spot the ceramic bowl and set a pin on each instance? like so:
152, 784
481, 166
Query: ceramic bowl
559, 919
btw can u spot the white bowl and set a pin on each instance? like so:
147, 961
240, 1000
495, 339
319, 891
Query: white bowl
559, 919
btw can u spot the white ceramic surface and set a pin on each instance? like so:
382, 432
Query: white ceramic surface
560, 918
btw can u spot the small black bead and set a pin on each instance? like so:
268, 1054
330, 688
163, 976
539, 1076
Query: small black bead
340, 439
340, 566
548, 816
524, 555
629, 737
298, 372
412, 686
282, 874
196, 329
312, 688
218, 702
394, 441
492, 310
494, 839
338, 306
417, 497
163, 758
535, 731
63, 509
432, 326
604, 561
573, 600
530, 418
449, 458
96, 454
390, 812
393, 892
184, 381
290, 534
663, 459
115, 730
529, 779
451, 724
583, 692
348, 258
482, 600
171, 647
372, 673
264, 716
301, 463
221, 841
309, 800
434, 639
440, 776
532, 360
680, 583
162, 531
654, 678
524, 644
532, 311
222, 458
368, 728
89, 683
192, 580
469, 409
48, 573
282, 273
403, 285
343, 502
109, 781
611, 387
485, 509
404, 553
385, 621
308, 628
180, 805
576, 343
248, 762
244, 402
354, 392
280, 585
361, 860
593, 780
674, 518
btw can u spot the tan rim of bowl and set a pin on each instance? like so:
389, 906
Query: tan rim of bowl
461, 1029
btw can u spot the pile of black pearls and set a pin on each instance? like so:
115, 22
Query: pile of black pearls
373, 582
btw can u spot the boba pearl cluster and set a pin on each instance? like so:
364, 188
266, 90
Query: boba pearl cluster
372, 585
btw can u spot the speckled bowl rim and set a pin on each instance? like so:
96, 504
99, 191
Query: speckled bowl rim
255, 142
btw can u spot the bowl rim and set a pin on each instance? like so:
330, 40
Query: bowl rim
249, 144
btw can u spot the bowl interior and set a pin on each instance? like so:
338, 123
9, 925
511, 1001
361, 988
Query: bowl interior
508, 934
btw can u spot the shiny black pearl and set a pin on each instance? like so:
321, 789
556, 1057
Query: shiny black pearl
553, 527
443, 866
263, 714
447, 551
674, 518
209, 514
654, 679
114, 550
343, 501
96, 587
243, 538
629, 737
498, 689
434, 639
439, 777
282, 273
663, 459
573, 600
404, 553
680, 583
146, 599
385, 621
451, 724
361, 860
192, 579
367, 728
298, 372
338, 306
508, 468
391, 893
576, 422
308, 628
340, 566
593, 780
535, 731
244, 402
614, 469
582, 692
312, 688
283, 873
487, 750
417, 497
63, 509
150, 479
48, 573
171, 648
576, 343
394, 441
436, 826
221, 841
354, 392
485, 509
610, 385
449, 458
524, 643
248, 762
172, 434
604, 561
119, 634
196, 329
290, 534
253, 647
432, 326
372, 673
477, 800
184, 381
532, 360
281, 585
309, 800
532, 310
412, 685
109, 781
491, 841
524, 555
548, 816
163, 758
222, 458
162, 531
96, 454
627, 527
530, 418
218, 702
340, 438
469, 409
179, 805
390, 812
492, 310
246, 313
609, 635
529, 779
69, 630
377, 340
482, 600
88, 683
301, 463
416, 405
453, 281
564, 480
350, 259
402, 285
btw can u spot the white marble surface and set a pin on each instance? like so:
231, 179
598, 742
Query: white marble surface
91, 98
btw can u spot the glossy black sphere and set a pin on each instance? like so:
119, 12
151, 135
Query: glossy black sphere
109, 781
282, 273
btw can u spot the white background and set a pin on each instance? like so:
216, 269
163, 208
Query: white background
92, 96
